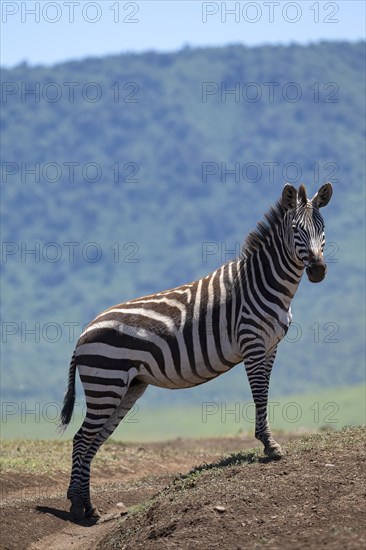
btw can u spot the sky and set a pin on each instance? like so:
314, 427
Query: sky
49, 32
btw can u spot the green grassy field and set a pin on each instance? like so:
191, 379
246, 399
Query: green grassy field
332, 408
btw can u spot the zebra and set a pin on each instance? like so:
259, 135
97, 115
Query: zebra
185, 336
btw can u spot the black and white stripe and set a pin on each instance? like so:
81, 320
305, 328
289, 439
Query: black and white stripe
188, 335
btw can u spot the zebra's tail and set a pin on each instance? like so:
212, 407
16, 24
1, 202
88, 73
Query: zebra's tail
69, 399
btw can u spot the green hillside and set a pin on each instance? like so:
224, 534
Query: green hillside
134, 173
329, 409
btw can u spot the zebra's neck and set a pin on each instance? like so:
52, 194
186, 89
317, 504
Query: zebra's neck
269, 272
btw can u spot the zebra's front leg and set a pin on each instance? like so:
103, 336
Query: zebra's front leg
263, 432
259, 373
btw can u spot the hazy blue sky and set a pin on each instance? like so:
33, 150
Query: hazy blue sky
47, 32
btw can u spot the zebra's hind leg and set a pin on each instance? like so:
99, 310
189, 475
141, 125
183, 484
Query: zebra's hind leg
93, 423
81, 443
99, 410
259, 372
135, 390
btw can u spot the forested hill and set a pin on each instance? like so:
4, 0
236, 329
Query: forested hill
134, 173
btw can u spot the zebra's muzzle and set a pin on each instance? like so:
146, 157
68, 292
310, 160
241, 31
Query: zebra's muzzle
316, 272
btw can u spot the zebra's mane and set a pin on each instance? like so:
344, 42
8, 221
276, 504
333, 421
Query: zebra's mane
272, 219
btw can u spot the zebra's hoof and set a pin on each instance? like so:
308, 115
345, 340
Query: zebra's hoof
274, 451
92, 513
77, 511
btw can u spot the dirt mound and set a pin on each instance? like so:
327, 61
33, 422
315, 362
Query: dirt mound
315, 497
34, 511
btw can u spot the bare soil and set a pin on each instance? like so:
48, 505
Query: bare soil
184, 495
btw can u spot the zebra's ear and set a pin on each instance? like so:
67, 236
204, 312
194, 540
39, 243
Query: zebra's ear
289, 197
302, 194
323, 196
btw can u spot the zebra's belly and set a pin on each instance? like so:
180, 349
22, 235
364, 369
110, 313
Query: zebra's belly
156, 365
183, 368
185, 377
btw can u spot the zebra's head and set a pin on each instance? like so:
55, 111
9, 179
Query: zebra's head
306, 228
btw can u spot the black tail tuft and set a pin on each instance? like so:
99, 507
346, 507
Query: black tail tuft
69, 399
